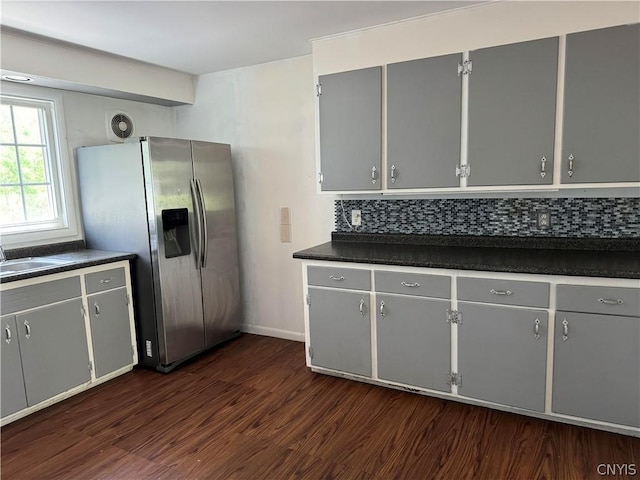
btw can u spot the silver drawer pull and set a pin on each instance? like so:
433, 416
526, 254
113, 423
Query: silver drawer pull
362, 307
7, 333
374, 175
607, 301
96, 308
337, 279
410, 285
571, 159
106, 280
27, 328
543, 167
565, 330
536, 329
501, 292
382, 308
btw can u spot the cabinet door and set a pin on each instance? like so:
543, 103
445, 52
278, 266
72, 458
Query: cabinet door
350, 130
601, 114
502, 355
13, 395
414, 341
340, 330
53, 343
110, 331
596, 368
423, 122
512, 110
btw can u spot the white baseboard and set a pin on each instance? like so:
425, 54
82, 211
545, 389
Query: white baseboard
272, 332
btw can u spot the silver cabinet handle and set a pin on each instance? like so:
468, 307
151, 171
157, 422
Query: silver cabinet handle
501, 292
393, 174
337, 279
410, 285
536, 328
107, 280
565, 330
382, 308
374, 175
362, 307
571, 159
543, 167
7, 334
96, 307
608, 301
27, 328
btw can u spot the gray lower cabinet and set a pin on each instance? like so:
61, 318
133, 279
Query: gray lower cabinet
14, 397
502, 354
596, 371
340, 330
413, 341
53, 346
512, 111
601, 114
350, 108
110, 330
424, 101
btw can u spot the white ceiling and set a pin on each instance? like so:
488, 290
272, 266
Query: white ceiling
199, 37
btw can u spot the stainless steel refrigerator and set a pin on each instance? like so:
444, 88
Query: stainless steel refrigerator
171, 202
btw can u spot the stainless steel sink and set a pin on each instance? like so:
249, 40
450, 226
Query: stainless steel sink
22, 265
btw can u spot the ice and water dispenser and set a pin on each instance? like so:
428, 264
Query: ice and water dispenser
175, 229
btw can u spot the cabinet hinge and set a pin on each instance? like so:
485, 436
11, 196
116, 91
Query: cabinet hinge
454, 378
308, 299
310, 352
132, 350
320, 178
454, 316
463, 171
465, 67
318, 90
91, 366
128, 301
84, 312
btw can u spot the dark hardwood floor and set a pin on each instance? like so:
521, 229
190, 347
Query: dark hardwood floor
252, 410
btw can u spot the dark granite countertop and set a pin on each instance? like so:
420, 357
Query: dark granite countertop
72, 261
574, 258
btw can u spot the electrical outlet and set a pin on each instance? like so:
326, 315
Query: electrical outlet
356, 218
544, 220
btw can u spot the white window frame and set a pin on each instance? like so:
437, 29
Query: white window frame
66, 227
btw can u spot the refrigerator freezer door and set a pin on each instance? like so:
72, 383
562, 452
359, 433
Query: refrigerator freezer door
220, 276
169, 170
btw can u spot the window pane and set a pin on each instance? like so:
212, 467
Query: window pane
27, 122
38, 203
11, 210
8, 165
6, 131
32, 164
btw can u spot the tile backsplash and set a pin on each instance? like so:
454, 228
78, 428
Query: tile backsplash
570, 217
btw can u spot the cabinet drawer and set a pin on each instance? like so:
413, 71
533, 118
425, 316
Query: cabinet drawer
595, 299
418, 284
504, 292
337, 277
105, 280
32, 296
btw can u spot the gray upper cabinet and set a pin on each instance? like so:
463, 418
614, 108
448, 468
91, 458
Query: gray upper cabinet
601, 106
350, 107
502, 354
596, 371
414, 341
423, 122
53, 344
340, 330
512, 110
14, 397
110, 330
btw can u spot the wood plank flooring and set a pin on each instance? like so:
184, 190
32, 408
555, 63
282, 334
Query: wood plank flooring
252, 410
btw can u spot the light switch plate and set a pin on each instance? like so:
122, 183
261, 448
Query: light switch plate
285, 233
285, 216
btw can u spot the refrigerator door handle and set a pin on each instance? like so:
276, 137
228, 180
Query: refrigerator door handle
196, 209
205, 232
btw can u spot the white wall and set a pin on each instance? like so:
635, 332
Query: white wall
266, 113
480, 26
